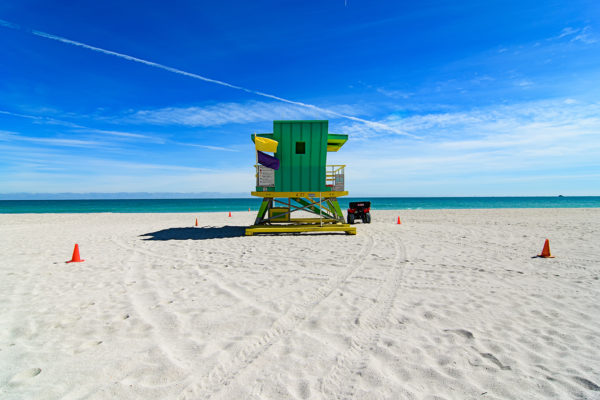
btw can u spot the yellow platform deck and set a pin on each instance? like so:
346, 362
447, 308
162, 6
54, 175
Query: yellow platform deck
350, 230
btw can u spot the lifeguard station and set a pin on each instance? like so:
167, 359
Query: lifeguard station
297, 178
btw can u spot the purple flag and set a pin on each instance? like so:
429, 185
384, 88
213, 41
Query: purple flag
267, 160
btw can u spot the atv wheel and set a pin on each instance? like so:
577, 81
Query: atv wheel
350, 219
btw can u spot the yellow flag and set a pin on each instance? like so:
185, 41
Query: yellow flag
264, 144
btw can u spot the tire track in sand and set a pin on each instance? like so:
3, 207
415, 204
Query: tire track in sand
223, 374
204, 271
178, 346
340, 381
145, 300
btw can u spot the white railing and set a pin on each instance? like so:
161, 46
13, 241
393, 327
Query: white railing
334, 177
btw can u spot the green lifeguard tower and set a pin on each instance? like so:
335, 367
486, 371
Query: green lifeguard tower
297, 178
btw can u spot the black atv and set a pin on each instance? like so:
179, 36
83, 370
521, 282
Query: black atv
359, 209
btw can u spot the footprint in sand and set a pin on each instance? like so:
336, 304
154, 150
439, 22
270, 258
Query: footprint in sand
304, 389
23, 376
87, 345
493, 359
462, 332
586, 384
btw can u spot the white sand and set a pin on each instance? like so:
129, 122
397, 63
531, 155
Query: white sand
448, 305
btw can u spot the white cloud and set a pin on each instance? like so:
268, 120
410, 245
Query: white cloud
83, 174
127, 135
395, 94
39, 119
585, 36
224, 113
84, 129
56, 170
461, 152
524, 83
129, 166
244, 113
568, 31
311, 107
14, 136
502, 143
492, 120
160, 181
208, 147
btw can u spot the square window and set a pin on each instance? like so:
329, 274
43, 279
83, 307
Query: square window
300, 147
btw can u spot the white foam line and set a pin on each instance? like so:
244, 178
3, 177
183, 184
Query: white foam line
377, 125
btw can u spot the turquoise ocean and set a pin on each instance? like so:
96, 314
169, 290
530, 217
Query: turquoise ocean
224, 205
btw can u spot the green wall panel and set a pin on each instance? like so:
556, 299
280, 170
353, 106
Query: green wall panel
302, 172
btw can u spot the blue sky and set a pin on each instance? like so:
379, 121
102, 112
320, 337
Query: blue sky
438, 98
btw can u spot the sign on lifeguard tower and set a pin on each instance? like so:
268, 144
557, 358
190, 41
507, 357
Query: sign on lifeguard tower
292, 176
266, 176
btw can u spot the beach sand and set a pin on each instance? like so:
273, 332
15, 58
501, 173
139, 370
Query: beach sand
448, 305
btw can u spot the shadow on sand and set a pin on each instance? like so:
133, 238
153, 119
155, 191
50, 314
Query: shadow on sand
200, 233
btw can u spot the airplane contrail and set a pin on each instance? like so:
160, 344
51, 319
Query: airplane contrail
377, 125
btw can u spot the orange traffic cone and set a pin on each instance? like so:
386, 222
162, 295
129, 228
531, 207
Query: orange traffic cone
196, 221
546, 250
398, 223
76, 257
230, 213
